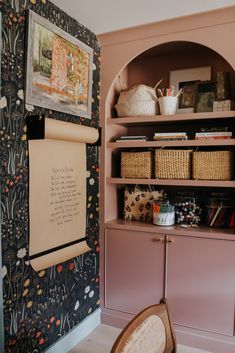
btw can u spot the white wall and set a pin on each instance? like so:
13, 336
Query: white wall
108, 15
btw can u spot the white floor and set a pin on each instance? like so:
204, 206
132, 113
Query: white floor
103, 337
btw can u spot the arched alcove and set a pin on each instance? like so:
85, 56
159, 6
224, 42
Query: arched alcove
156, 63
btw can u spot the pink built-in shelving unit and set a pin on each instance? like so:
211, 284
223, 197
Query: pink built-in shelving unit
140, 262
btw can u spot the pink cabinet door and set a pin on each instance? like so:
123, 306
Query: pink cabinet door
201, 283
134, 270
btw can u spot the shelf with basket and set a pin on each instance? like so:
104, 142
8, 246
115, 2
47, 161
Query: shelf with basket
187, 143
186, 166
211, 138
177, 162
173, 182
159, 119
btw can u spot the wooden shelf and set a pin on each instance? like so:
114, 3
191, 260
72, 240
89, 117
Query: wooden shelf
187, 143
200, 231
151, 120
173, 182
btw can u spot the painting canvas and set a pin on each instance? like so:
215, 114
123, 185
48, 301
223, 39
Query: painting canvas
59, 69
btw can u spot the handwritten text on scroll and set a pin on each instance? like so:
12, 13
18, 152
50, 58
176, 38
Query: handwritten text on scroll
64, 196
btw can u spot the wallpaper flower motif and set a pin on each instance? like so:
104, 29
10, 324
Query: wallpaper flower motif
39, 308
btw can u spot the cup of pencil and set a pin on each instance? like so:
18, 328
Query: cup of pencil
163, 213
167, 100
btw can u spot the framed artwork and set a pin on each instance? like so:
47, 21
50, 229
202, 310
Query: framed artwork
59, 69
205, 96
181, 78
187, 98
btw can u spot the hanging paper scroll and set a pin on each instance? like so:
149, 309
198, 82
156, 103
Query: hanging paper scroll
57, 193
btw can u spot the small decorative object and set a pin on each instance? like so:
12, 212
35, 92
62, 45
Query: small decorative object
222, 86
140, 100
187, 212
138, 202
163, 213
172, 164
223, 106
188, 77
136, 164
59, 69
205, 96
213, 165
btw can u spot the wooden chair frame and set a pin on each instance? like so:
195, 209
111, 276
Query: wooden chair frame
160, 310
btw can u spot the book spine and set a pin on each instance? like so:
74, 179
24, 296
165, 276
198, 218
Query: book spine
213, 138
171, 139
132, 140
132, 137
167, 137
159, 134
218, 133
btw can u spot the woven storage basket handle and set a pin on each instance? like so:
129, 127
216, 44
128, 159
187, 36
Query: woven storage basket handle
157, 84
122, 83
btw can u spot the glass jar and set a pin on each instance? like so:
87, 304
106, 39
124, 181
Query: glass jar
187, 211
163, 213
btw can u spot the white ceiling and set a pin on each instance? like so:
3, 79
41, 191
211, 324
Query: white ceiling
108, 15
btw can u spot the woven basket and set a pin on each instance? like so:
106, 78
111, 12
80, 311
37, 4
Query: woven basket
213, 165
137, 108
173, 164
140, 100
136, 165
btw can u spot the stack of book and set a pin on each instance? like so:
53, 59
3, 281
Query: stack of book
213, 135
131, 138
170, 136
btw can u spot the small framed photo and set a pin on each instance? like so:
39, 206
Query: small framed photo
59, 69
205, 96
187, 98
178, 78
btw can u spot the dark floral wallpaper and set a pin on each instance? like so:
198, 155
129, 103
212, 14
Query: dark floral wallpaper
39, 308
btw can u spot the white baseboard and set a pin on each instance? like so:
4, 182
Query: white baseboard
67, 342
203, 340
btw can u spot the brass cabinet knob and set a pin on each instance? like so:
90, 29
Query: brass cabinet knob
170, 241
155, 240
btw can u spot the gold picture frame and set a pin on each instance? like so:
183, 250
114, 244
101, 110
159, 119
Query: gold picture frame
59, 69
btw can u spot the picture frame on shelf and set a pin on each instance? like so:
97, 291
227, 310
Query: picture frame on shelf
187, 98
59, 69
205, 96
179, 78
